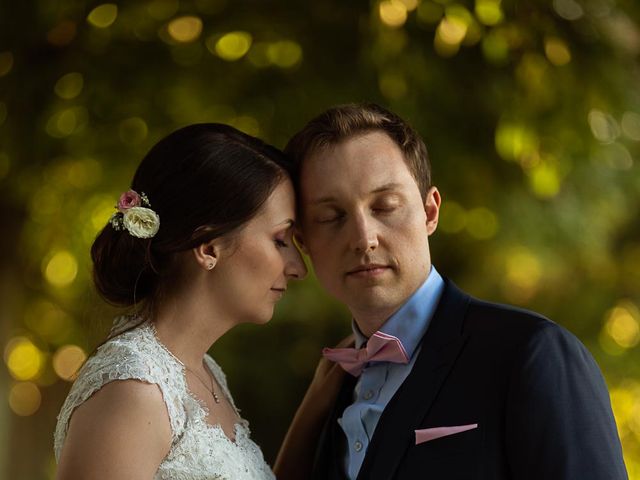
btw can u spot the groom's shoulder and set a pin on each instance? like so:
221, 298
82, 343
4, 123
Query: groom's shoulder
509, 321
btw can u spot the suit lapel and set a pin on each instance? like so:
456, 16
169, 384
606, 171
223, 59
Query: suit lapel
441, 345
328, 462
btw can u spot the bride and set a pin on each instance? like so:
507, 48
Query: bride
202, 242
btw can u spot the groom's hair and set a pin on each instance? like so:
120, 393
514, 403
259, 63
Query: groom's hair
345, 121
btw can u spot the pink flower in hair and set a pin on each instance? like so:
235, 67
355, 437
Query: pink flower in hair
128, 200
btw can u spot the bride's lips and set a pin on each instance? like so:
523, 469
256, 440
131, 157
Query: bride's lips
279, 291
368, 270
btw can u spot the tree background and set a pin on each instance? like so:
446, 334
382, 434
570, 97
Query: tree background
530, 110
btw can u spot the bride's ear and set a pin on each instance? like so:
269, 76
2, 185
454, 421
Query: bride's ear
207, 254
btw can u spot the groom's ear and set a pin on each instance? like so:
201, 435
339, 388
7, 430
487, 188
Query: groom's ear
299, 240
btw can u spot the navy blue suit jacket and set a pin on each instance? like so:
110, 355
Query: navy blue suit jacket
538, 397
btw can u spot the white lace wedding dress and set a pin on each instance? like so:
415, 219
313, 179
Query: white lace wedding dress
199, 450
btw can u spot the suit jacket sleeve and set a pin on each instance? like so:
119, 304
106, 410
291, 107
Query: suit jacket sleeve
559, 422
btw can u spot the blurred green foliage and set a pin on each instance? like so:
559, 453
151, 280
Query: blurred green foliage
531, 112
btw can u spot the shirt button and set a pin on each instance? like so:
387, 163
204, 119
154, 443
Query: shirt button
368, 394
357, 446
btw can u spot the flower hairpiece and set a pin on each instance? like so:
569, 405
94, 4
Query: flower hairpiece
140, 221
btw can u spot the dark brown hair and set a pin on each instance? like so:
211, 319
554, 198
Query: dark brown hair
345, 121
204, 181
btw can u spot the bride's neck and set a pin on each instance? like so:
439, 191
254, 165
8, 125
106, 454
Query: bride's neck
188, 327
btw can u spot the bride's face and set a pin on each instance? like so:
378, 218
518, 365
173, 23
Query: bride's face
254, 271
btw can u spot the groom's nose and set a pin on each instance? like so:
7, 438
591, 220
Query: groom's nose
363, 235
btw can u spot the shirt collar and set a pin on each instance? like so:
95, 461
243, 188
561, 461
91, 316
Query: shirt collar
411, 321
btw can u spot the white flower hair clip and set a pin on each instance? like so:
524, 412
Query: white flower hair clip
139, 221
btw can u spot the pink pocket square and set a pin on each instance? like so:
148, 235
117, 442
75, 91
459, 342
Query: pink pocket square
429, 434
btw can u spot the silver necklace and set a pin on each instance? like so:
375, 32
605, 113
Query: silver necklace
209, 389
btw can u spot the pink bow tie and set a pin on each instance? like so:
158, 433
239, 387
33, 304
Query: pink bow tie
381, 347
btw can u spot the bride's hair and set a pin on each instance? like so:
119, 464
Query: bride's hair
204, 181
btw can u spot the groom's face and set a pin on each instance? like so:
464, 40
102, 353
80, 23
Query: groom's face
364, 222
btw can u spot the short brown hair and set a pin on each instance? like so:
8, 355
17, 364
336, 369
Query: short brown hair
344, 121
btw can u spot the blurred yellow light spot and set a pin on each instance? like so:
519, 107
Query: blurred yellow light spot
162, 9
5, 165
489, 12
392, 12
523, 269
69, 86
451, 30
495, 47
557, 51
284, 53
393, 85
544, 180
133, 131
68, 360
515, 141
630, 125
453, 217
622, 324
25, 398
6, 63
62, 269
603, 126
482, 223
232, 46
103, 15
429, 12
24, 360
185, 29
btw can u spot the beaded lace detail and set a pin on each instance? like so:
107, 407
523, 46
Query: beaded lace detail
199, 450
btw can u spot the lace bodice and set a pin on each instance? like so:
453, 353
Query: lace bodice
199, 450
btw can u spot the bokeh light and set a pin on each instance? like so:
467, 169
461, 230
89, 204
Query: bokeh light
69, 86
61, 269
103, 15
393, 13
68, 360
489, 12
231, 46
185, 29
557, 51
24, 398
284, 53
24, 360
481, 223
604, 127
622, 325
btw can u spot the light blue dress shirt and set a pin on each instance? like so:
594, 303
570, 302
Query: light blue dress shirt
379, 381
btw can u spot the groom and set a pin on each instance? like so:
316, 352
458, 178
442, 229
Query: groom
441, 385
